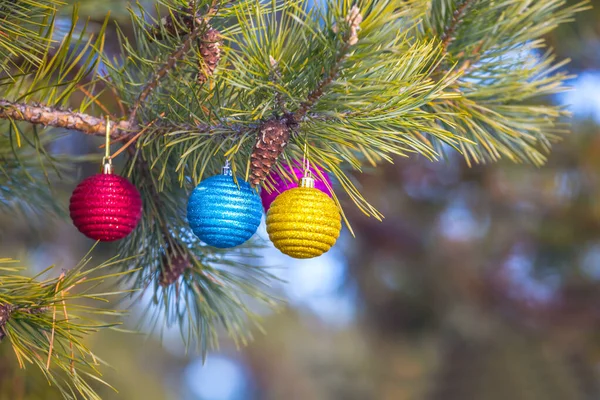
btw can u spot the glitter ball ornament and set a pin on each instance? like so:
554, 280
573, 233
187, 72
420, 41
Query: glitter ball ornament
277, 184
105, 206
304, 222
222, 214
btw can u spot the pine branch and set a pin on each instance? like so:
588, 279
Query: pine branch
38, 114
457, 17
448, 36
6, 311
502, 75
318, 92
45, 321
198, 30
353, 19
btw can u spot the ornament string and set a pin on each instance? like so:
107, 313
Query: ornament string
107, 160
306, 161
307, 180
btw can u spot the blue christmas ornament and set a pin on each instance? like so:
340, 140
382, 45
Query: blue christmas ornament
223, 214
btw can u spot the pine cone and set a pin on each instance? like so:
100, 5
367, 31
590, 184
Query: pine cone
174, 265
272, 139
210, 50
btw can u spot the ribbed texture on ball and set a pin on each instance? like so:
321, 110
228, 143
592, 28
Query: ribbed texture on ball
277, 184
105, 207
222, 214
303, 222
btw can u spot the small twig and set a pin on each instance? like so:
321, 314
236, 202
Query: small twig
135, 137
33, 311
447, 36
60, 278
118, 99
79, 282
275, 77
95, 100
318, 92
72, 364
213, 279
5, 311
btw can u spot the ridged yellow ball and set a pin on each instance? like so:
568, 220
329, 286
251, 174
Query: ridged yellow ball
303, 222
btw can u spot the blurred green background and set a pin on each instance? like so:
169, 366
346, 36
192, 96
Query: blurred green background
481, 283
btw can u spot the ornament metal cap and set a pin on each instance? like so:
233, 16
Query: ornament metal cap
307, 181
226, 170
108, 167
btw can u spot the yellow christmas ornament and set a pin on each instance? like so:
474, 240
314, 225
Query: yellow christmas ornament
304, 222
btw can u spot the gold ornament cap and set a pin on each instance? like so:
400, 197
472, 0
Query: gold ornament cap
307, 182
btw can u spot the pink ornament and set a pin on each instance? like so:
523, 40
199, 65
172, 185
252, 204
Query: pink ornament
282, 183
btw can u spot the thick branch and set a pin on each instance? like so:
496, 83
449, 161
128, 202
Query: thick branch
43, 115
48, 116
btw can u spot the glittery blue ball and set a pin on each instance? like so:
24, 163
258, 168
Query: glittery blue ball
222, 214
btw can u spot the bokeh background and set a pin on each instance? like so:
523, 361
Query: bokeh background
481, 283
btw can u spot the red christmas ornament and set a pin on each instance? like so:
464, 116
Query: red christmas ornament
106, 207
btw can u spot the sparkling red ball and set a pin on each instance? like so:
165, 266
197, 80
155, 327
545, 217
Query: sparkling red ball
106, 207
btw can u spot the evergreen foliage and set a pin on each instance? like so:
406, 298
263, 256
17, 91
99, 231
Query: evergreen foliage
356, 84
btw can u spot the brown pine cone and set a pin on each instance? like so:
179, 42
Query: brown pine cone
274, 135
173, 266
210, 50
